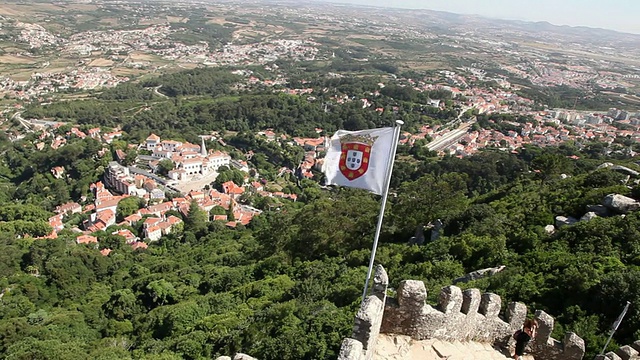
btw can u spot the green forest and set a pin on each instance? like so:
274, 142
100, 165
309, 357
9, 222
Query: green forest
287, 286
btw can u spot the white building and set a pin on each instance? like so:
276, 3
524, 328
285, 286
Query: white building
152, 141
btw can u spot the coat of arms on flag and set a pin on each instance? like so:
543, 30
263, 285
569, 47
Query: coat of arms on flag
359, 159
355, 155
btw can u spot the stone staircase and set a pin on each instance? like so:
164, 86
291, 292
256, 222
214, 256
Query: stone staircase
399, 347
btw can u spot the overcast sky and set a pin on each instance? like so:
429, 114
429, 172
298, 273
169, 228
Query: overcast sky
621, 15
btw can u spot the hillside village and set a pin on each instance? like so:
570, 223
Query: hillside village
189, 160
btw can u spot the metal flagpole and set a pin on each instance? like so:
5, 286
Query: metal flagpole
392, 155
615, 326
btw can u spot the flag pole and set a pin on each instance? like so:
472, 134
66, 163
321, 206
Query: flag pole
615, 326
392, 156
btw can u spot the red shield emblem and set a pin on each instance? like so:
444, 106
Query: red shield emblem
354, 160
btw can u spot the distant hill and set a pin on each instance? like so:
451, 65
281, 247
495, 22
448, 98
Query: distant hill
541, 30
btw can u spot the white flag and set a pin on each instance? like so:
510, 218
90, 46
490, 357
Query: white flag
616, 324
359, 159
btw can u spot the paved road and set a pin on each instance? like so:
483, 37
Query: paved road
148, 158
450, 138
156, 90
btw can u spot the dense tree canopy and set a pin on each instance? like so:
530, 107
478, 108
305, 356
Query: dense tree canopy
287, 285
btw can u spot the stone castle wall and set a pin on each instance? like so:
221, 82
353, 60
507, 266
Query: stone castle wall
368, 321
627, 352
460, 315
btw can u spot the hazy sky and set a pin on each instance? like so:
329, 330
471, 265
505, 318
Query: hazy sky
621, 15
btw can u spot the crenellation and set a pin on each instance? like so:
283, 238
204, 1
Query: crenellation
574, 346
380, 283
516, 315
367, 323
612, 356
450, 300
412, 294
460, 316
545, 328
471, 301
351, 349
627, 353
490, 305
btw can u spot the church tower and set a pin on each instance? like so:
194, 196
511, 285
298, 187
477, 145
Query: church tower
203, 149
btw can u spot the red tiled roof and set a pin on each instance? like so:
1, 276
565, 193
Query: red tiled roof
86, 239
139, 245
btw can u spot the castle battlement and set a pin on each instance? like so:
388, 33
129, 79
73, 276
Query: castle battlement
459, 316
627, 352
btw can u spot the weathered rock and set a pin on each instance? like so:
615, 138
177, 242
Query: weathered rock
380, 282
612, 356
627, 353
565, 220
516, 314
573, 346
599, 210
367, 323
412, 293
625, 170
240, 356
471, 301
490, 305
350, 350
479, 274
460, 317
589, 216
450, 299
549, 229
366, 329
620, 203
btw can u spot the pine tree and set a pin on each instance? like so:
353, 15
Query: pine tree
196, 220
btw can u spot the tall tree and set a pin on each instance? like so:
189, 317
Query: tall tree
197, 218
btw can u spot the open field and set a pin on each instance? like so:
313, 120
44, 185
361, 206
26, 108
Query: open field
26, 11
148, 22
187, 65
101, 62
177, 19
137, 56
81, 7
109, 21
16, 59
21, 75
574, 52
121, 71
217, 20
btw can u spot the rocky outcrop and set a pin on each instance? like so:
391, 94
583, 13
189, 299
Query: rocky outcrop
479, 274
599, 210
620, 203
459, 316
239, 356
625, 170
589, 216
564, 221
619, 168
